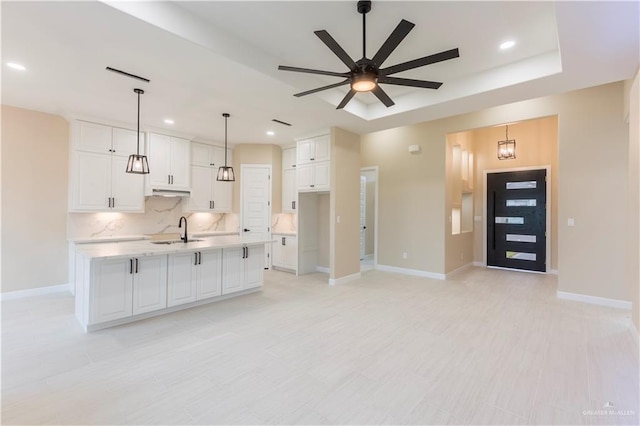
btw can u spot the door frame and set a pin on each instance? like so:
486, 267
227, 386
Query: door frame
547, 167
376, 218
244, 167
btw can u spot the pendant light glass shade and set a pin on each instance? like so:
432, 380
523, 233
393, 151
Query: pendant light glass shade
507, 147
225, 173
137, 163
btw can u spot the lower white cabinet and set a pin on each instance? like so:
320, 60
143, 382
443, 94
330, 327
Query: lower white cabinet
243, 268
194, 276
125, 287
285, 252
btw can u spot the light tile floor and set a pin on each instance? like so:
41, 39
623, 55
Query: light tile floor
486, 347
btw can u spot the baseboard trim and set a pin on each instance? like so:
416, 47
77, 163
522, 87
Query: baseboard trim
553, 272
323, 269
412, 272
460, 269
476, 263
21, 294
345, 279
594, 300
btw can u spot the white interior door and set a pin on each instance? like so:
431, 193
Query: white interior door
363, 215
255, 212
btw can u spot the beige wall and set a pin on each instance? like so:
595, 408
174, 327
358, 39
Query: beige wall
410, 194
592, 176
259, 154
34, 199
633, 188
344, 204
536, 145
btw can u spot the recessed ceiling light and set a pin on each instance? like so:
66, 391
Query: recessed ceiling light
507, 44
271, 133
168, 121
15, 66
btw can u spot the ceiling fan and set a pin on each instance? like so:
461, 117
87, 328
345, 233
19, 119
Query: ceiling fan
366, 75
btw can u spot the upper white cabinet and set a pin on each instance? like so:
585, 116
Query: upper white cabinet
289, 158
169, 163
97, 177
208, 194
313, 164
314, 150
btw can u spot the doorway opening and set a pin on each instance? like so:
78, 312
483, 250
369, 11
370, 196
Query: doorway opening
368, 218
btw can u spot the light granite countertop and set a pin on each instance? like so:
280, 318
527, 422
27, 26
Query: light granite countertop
144, 237
147, 248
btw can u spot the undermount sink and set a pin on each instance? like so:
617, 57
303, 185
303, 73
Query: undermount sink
167, 242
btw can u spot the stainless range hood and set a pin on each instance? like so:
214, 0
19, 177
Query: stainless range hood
169, 193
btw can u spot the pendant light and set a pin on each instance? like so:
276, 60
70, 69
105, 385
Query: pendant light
507, 147
225, 173
138, 163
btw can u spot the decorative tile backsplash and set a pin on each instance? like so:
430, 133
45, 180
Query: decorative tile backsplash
161, 215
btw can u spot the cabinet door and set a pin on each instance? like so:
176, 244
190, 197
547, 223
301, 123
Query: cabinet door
159, 153
254, 267
305, 151
217, 157
209, 274
93, 137
290, 255
127, 189
232, 269
222, 195
201, 154
92, 181
125, 142
304, 175
149, 284
277, 252
180, 163
321, 148
201, 189
321, 176
112, 292
289, 158
181, 286
289, 189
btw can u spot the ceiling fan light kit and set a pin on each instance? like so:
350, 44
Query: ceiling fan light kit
366, 74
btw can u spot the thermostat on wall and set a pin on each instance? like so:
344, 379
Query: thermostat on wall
414, 148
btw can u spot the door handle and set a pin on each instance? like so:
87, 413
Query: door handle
169, 179
136, 265
195, 262
113, 202
284, 243
130, 266
199, 258
247, 251
293, 205
246, 230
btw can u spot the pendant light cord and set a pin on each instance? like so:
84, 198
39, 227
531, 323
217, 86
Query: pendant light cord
138, 147
225, 140
506, 133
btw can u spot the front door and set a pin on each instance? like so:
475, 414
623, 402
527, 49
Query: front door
516, 220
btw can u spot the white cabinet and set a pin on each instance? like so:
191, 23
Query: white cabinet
314, 177
149, 284
243, 268
98, 178
285, 252
289, 158
169, 163
208, 194
129, 286
289, 191
194, 276
314, 150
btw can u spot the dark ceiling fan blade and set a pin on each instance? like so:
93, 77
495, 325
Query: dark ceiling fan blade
382, 95
346, 99
421, 62
410, 82
335, 48
310, 71
319, 89
396, 37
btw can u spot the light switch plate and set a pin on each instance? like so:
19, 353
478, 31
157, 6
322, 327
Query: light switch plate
570, 222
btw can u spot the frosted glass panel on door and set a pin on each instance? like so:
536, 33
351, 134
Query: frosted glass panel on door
510, 220
521, 256
521, 238
521, 203
531, 184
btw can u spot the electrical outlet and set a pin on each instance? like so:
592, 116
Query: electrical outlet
404, 255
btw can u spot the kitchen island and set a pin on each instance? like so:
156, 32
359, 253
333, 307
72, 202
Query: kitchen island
120, 282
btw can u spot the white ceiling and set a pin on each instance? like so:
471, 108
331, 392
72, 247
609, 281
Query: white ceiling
205, 58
